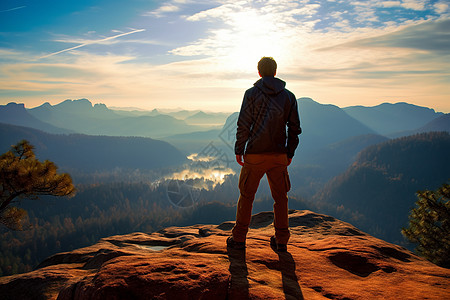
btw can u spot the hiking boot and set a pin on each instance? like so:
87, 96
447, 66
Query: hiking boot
231, 243
277, 247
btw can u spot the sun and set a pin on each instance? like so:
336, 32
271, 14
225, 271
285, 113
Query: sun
252, 36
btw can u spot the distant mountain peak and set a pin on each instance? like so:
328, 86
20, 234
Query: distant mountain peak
441, 123
13, 106
85, 103
389, 118
16, 114
200, 113
100, 106
308, 100
46, 105
392, 106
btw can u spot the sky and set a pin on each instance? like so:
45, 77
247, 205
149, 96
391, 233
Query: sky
202, 54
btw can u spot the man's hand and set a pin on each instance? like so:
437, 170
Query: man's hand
289, 161
239, 160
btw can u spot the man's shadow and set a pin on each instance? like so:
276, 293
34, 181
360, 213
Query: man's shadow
238, 268
291, 288
239, 287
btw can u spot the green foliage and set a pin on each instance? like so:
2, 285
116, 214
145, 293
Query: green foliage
429, 225
23, 176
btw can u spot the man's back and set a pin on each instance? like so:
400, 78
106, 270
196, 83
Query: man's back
268, 107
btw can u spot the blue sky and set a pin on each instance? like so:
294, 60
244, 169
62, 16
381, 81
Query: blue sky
203, 54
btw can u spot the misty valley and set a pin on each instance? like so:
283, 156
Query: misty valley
137, 170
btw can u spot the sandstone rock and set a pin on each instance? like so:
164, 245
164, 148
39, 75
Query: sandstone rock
326, 259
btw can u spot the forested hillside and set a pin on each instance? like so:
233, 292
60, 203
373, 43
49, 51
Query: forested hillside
378, 190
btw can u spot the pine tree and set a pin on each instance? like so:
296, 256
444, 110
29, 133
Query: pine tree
429, 225
24, 176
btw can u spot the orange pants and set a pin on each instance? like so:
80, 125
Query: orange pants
255, 166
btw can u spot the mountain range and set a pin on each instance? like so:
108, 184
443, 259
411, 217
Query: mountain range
322, 124
81, 116
388, 118
85, 153
16, 114
331, 138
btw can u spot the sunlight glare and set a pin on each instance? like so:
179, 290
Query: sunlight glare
253, 37
217, 176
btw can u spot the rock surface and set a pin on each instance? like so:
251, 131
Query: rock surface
326, 259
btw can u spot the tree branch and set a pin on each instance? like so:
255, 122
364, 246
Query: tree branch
8, 200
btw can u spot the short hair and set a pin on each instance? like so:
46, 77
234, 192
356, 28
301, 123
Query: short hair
267, 66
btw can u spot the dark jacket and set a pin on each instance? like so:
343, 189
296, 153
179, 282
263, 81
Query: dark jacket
268, 107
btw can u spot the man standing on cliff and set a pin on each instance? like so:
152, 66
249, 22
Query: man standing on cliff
267, 136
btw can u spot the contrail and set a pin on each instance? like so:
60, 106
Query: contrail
92, 42
11, 9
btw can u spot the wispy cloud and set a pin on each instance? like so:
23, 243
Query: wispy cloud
87, 43
414, 4
430, 36
12, 9
164, 9
441, 7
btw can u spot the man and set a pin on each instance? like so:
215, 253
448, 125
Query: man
262, 147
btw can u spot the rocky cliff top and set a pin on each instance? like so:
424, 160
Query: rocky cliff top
326, 259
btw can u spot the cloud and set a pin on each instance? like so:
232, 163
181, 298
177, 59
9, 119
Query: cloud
414, 4
12, 9
417, 5
91, 42
11, 55
441, 7
165, 9
390, 3
432, 36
